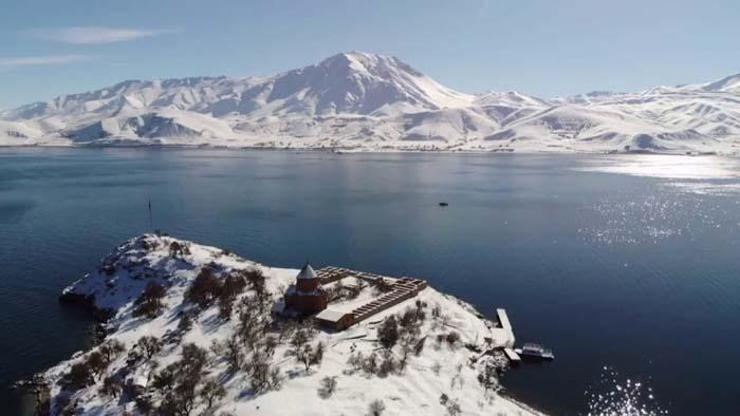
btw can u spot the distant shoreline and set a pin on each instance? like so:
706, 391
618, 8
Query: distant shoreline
361, 150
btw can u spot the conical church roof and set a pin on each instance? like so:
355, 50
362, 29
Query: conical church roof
307, 272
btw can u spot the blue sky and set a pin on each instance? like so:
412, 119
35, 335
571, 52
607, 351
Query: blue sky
545, 48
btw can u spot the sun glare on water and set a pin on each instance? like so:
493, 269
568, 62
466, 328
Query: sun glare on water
616, 396
669, 166
694, 174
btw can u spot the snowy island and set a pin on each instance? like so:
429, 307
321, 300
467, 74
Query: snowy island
191, 329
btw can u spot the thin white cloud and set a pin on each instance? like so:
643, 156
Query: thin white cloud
8, 64
98, 35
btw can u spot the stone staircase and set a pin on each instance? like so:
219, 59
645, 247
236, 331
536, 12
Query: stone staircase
400, 290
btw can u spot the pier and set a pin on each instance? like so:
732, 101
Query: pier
503, 319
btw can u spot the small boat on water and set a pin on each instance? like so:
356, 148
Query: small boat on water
536, 351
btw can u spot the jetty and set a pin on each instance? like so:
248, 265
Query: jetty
503, 319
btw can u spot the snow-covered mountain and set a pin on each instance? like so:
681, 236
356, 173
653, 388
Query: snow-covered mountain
364, 101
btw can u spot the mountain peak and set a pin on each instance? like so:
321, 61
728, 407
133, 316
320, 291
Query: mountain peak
729, 83
368, 63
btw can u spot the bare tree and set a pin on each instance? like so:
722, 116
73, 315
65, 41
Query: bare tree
276, 379
232, 287
112, 386
387, 365
111, 349
97, 363
211, 392
181, 380
259, 369
234, 354
149, 346
388, 332
205, 288
149, 304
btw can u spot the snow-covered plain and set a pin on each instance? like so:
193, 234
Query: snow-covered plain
365, 102
439, 369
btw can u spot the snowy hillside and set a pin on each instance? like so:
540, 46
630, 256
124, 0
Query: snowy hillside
190, 330
360, 101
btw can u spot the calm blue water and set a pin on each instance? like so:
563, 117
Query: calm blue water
638, 274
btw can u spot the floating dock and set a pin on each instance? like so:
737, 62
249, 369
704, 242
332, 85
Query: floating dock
512, 355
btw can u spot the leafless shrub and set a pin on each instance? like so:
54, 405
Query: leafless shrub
419, 346
328, 387
488, 377
309, 356
356, 362
178, 249
185, 323
436, 368
256, 279
410, 321
370, 365
436, 311
382, 285
408, 345
452, 338
270, 344
376, 407
387, 364
453, 408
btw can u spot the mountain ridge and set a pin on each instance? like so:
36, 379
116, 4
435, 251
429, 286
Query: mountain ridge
361, 101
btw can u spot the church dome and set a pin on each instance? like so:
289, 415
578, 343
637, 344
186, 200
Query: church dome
306, 273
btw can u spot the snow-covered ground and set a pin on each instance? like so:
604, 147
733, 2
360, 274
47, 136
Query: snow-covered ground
441, 378
364, 102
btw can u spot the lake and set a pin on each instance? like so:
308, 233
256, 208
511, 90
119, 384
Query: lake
627, 266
